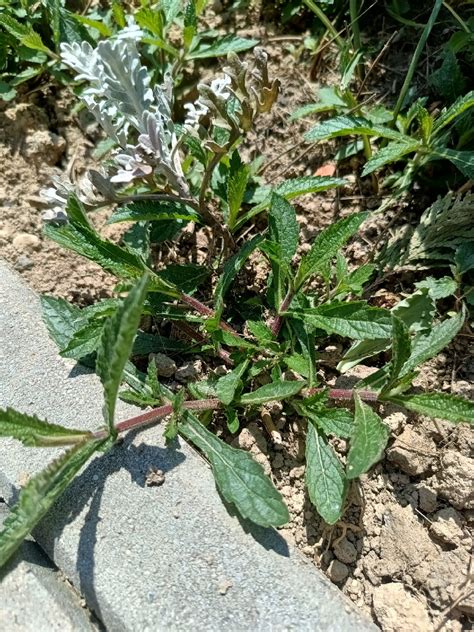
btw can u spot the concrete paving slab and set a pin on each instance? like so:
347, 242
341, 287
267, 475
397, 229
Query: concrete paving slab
34, 598
148, 558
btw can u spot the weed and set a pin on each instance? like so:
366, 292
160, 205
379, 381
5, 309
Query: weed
268, 342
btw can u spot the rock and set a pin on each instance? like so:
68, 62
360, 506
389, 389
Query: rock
405, 546
23, 263
395, 421
337, 571
165, 366
447, 579
427, 499
297, 472
44, 146
345, 551
187, 372
25, 242
396, 609
447, 526
413, 452
453, 481
155, 477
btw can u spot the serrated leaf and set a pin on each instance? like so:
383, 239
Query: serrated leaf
116, 345
354, 320
332, 421
426, 346
146, 343
283, 227
260, 331
391, 153
228, 384
325, 479
222, 46
401, 349
84, 341
39, 494
187, 277
79, 236
241, 480
368, 441
298, 363
438, 288
326, 245
311, 108
149, 210
292, 188
137, 240
271, 392
463, 160
60, 317
236, 187
458, 107
464, 258
32, 431
349, 125
441, 405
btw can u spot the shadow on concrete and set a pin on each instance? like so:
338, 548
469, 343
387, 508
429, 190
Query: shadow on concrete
88, 488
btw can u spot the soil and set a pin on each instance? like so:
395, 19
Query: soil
403, 551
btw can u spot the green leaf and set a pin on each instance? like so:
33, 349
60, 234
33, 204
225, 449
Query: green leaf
228, 384
79, 236
236, 187
190, 23
240, 479
60, 318
7, 92
84, 341
101, 27
426, 346
272, 392
149, 210
326, 245
458, 107
39, 494
260, 331
463, 160
186, 277
368, 440
292, 188
438, 288
332, 421
146, 343
441, 405
137, 240
116, 345
283, 227
231, 268
325, 480
401, 349
311, 108
464, 258
348, 125
391, 153
354, 320
222, 46
32, 431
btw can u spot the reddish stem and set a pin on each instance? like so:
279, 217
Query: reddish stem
205, 311
156, 414
278, 320
343, 393
199, 337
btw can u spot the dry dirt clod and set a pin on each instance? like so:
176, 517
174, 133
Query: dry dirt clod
25, 242
447, 526
413, 452
188, 372
345, 551
396, 610
337, 571
165, 366
427, 499
453, 481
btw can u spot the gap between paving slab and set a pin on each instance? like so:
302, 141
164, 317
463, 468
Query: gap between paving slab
148, 558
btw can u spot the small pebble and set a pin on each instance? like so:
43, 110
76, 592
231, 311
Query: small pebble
337, 571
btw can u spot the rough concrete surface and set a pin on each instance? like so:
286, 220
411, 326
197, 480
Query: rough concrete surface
148, 558
34, 598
